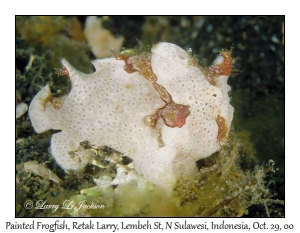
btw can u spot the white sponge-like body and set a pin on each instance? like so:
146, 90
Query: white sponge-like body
109, 106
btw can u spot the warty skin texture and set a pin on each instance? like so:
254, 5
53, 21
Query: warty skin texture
108, 108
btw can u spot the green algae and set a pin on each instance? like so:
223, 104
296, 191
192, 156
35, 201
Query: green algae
220, 189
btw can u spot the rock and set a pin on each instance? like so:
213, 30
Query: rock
38, 169
21, 109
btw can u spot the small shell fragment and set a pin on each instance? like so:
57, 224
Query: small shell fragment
21, 109
38, 169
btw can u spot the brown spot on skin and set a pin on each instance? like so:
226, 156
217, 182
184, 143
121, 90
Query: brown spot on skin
56, 102
222, 69
193, 61
128, 65
164, 94
222, 128
173, 114
44, 101
140, 63
116, 108
151, 120
160, 140
128, 86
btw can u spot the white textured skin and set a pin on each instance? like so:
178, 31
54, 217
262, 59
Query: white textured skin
108, 108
